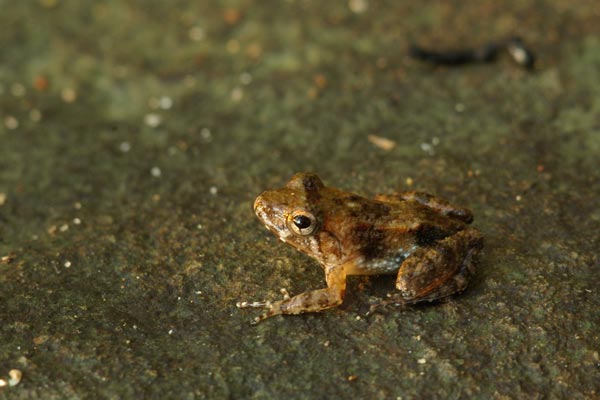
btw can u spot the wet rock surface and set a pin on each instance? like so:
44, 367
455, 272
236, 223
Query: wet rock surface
134, 139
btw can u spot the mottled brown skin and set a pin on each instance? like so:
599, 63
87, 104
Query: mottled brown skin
424, 239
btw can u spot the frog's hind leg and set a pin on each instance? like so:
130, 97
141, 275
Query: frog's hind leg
437, 271
435, 203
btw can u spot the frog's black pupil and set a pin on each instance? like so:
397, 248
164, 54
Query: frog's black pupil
301, 221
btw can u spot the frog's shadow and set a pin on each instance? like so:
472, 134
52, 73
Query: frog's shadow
364, 292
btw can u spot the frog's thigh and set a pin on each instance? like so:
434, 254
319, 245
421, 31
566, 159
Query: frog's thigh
440, 270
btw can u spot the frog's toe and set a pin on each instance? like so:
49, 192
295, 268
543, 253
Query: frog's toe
262, 304
254, 304
284, 293
263, 316
373, 308
394, 299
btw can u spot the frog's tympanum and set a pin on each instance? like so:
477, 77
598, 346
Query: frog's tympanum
424, 239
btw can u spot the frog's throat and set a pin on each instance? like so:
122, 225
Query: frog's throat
325, 248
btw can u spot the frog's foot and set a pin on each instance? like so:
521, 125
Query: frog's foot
395, 299
254, 304
262, 304
269, 305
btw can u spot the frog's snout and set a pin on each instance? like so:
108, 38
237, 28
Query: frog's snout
261, 209
270, 214
260, 206
256, 205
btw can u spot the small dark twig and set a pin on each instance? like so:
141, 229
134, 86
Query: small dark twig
485, 54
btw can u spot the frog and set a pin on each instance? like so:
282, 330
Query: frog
423, 239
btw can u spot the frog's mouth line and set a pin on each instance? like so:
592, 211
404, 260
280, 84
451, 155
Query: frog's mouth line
279, 230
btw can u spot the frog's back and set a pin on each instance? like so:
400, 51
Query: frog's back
411, 217
385, 234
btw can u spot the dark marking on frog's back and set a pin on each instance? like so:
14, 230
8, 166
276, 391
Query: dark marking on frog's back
312, 186
311, 183
339, 201
370, 239
375, 209
426, 234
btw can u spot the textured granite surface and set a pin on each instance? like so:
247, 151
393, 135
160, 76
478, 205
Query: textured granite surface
135, 135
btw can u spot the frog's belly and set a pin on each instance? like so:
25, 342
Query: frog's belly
378, 266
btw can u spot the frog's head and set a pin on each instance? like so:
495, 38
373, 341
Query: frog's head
293, 214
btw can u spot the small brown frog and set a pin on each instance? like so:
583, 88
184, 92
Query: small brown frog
424, 239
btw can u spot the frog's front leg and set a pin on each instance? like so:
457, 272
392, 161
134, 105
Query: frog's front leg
313, 301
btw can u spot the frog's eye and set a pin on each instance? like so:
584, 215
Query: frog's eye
302, 222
